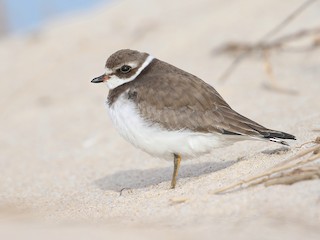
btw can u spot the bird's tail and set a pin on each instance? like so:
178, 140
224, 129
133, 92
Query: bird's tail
241, 125
276, 136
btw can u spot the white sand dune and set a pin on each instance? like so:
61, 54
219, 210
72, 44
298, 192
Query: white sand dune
62, 161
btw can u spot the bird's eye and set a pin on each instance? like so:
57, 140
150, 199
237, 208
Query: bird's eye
125, 69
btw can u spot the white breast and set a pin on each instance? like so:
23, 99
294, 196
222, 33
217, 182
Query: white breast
154, 139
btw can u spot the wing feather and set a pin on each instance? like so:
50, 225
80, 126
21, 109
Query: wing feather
183, 101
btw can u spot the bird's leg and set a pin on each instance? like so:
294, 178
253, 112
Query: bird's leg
176, 161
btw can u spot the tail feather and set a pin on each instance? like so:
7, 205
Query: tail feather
243, 126
277, 136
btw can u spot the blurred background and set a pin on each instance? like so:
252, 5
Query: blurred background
62, 161
24, 16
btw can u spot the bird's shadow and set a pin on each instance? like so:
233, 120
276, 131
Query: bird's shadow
137, 178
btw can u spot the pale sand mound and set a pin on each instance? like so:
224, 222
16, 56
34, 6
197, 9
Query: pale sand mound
62, 161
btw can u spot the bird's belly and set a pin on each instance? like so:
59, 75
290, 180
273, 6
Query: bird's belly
156, 140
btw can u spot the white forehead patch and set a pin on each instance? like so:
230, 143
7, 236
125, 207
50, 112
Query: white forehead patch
114, 81
108, 71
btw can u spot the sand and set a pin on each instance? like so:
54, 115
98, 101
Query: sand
63, 163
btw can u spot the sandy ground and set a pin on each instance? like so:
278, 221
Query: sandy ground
63, 164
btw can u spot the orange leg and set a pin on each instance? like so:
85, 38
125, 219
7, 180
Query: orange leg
176, 161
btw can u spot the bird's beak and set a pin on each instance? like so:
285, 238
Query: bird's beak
100, 79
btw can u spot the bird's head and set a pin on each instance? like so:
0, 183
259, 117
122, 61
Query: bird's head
123, 66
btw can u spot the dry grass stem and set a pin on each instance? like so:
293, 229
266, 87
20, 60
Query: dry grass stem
298, 156
273, 84
316, 141
264, 43
287, 172
296, 175
233, 48
177, 200
244, 50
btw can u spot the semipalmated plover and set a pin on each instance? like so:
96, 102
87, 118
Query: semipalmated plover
170, 113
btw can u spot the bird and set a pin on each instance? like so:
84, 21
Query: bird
170, 113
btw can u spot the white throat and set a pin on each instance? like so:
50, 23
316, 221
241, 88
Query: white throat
114, 81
